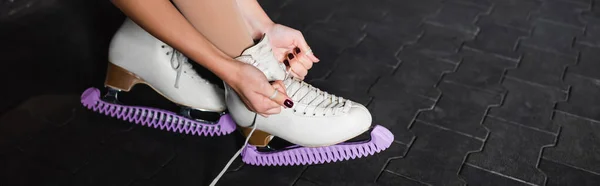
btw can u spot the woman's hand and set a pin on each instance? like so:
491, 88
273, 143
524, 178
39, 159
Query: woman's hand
255, 91
290, 47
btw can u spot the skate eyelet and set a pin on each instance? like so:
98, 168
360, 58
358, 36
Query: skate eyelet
162, 46
168, 53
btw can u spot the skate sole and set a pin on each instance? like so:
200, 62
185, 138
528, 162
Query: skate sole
156, 118
381, 139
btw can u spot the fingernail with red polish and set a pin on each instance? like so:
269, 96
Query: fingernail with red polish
288, 103
290, 56
297, 50
286, 62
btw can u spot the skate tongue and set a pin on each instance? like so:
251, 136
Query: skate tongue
261, 56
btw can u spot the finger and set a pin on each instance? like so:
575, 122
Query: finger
272, 111
287, 64
298, 69
273, 95
297, 66
281, 53
304, 60
304, 48
278, 85
296, 75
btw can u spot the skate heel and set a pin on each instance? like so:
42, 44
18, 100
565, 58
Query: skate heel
258, 138
119, 78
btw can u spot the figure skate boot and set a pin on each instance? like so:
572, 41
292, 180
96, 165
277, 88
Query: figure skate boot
137, 57
319, 128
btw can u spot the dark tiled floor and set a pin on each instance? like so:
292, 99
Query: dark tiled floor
477, 92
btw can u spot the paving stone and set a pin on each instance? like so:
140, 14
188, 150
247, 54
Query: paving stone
371, 51
458, 16
416, 9
560, 174
199, 160
390, 178
272, 7
113, 166
50, 143
436, 43
299, 14
255, 175
156, 147
461, 109
497, 39
406, 23
390, 37
588, 63
36, 114
578, 144
582, 2
544, 68
66, 149
39, 46
341, 33
56, 110
481, 70
27, 125
441, 167
420, 75
18, 169
474, 175
563, 12
528, 104
592, 29
69, 147
353, 83
514, 13
395, 109
328, 40
364, 10
304, 182
583, 92
363, 171
479, 3
552, 37
513, 151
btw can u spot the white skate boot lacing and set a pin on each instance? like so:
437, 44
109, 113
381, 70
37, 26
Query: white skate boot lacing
179, 62
317, 101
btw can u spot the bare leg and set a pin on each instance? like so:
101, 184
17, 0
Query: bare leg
220, 21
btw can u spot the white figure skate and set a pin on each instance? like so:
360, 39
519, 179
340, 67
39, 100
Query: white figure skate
315, 126
136, 57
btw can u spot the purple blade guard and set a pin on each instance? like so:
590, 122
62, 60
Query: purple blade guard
381, 139
156, 118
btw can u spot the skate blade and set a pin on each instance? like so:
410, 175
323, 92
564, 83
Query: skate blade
381, 139
156, 118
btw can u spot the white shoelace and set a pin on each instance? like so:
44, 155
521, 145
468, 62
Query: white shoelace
314, 97
319, 98
214, 182
179, 63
